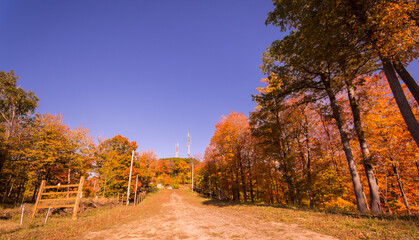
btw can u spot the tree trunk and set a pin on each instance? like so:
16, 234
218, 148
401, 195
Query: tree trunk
222, 194
238, 184
251, 188
399, 181
366, 200
385, 198
309, 182
2, 159
417, 166
356, 181
369, 170
359, 10
210, 191
6, 189
408, 79
35, 191
401, 100
277, 197
242, 176
290, 184
69, 176
104, 189
224, 190
11, 189
270, 190
233, 187
20, 191
386, 202
97, 188
257, 190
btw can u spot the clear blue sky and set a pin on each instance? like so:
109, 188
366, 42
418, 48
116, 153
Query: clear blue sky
148, 70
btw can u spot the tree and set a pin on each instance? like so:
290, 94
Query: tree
51, 149
388, 28
230, 152
309, 71
147, 166
391, 144
113, 160
347, 54
16, 105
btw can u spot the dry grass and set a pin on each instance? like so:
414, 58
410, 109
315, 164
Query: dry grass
340, 225
349, 226
61, 226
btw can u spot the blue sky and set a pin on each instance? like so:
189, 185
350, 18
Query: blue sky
148, 70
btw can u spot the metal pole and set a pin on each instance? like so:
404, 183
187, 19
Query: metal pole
189, 145
192, 173
135, 195
129, 181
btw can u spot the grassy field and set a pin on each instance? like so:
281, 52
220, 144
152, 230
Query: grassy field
61, 226
340, 225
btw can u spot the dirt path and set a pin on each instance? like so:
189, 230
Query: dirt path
180, 214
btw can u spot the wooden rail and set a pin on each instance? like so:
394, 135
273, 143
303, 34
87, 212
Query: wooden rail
140, 197
76, 199
61, 186
55, 193
121, 198
57, 199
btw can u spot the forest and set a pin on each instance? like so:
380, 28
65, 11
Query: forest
335, 126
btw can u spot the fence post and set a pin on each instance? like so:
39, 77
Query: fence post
41, 188
79, 192
46, 218
21, 216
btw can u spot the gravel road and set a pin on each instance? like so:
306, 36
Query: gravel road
181, 214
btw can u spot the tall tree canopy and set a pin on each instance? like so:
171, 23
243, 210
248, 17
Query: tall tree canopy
388, 29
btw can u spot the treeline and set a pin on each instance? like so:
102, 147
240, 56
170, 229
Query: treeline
174, 172
111, 167
324, 104
36, 147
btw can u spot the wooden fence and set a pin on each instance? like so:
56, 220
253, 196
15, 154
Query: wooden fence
122, 198
49, 200
140, 197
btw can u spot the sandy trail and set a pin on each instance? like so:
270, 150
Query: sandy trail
178, 214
